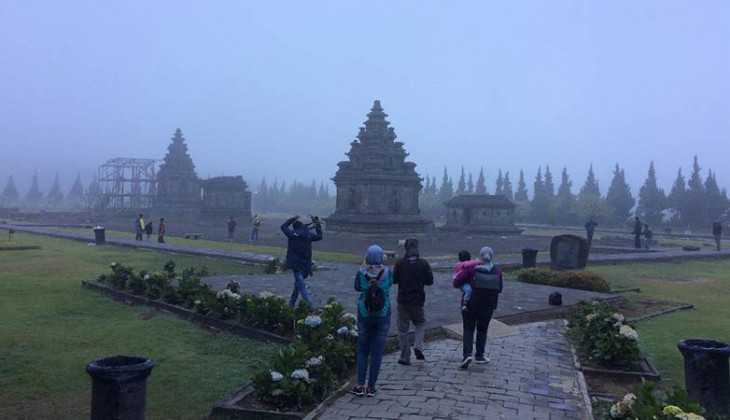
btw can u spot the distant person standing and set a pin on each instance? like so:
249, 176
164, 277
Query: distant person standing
255, 226
161, 230
590, 229
637, 232
299, 253
648, 236
717, 233
148, 229
231, 225
139, 227
411, 273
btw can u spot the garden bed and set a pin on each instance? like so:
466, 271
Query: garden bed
187, 314
614, 383
19, 248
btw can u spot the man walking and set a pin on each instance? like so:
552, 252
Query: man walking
637, 233
139, 228
161, 230
717, 233
411, 274
590, 229
255, 226
299, 253
231, 225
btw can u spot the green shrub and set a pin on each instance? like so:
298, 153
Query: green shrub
268, 312
137, 284
600, 334
582, 280
649, 403
157, 284
120, 275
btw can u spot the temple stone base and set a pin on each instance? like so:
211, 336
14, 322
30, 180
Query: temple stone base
378, 224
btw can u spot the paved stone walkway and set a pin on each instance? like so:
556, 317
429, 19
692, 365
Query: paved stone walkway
250, 257
442, 300
531, 377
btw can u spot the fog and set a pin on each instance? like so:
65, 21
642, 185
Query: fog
278, 89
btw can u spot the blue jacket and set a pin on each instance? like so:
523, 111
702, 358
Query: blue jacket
299, 246
362, 284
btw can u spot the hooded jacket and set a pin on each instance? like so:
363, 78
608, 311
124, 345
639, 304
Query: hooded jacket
299, 246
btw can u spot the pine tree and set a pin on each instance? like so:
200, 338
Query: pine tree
549, 185
507, 187
696, 206
521, 194
447, 188
75, 195
481, 187
499, 190
461, 188
55, 196
716, 203
652, 199
565, 203
677, 199
93, 192
589, 202
619, 198
539, 206
34, 195
470, 184
10, 193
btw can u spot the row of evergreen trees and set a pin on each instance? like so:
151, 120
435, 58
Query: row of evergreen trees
694, 202
76, 197
294, 198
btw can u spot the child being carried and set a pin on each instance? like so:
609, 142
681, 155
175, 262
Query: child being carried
465, 264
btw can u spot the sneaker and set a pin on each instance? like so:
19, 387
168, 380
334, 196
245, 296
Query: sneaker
372, 391
419, 354
358, 390
481, 360
404, 362
466, 362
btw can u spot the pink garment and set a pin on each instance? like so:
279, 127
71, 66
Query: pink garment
464, 271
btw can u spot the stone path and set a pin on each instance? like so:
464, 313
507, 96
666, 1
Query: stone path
250, 257
442, 302
532, 376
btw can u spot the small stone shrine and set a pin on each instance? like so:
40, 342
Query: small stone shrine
377, 189
226, 196
481, 213
568, 252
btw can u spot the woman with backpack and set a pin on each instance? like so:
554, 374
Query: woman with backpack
485, 279
373, 281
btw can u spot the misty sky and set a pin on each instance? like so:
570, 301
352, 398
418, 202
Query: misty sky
279, 89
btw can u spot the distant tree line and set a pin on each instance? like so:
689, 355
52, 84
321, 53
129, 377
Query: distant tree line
76, 198
693, 202
294, 198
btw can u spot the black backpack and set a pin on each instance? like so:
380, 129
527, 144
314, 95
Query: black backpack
374, 297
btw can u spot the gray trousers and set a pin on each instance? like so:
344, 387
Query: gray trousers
408, 314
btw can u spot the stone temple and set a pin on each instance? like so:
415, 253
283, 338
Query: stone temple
377, 189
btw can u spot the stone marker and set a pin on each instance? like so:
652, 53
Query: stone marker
568, 252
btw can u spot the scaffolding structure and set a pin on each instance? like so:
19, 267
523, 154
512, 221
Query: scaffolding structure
126, 183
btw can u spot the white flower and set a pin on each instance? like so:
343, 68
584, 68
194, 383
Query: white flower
197, 302
591, 316
277, 392
314, 361
328, 306
112, 265
349, 316
227, 293
618, 317
146, 276
353, 333
276, 376
623, 408
302, 374
343, 330
313, 321
629, 399
266, 294
629, 333
329, 337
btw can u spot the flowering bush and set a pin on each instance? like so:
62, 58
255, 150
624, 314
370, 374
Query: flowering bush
582, 280
226, 306
268, 312
157, 283
648, 403
601, 335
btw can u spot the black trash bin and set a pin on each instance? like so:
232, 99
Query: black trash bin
529, 258
706, 375
119, 387
100, 235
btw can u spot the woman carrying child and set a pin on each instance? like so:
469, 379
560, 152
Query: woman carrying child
481, 283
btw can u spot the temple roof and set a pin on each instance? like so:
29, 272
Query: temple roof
177, 162
480, 201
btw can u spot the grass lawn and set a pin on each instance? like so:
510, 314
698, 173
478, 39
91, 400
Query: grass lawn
231, 246
706, 284
50, 328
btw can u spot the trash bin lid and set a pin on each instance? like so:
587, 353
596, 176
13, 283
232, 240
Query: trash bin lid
120, 366
703, 345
